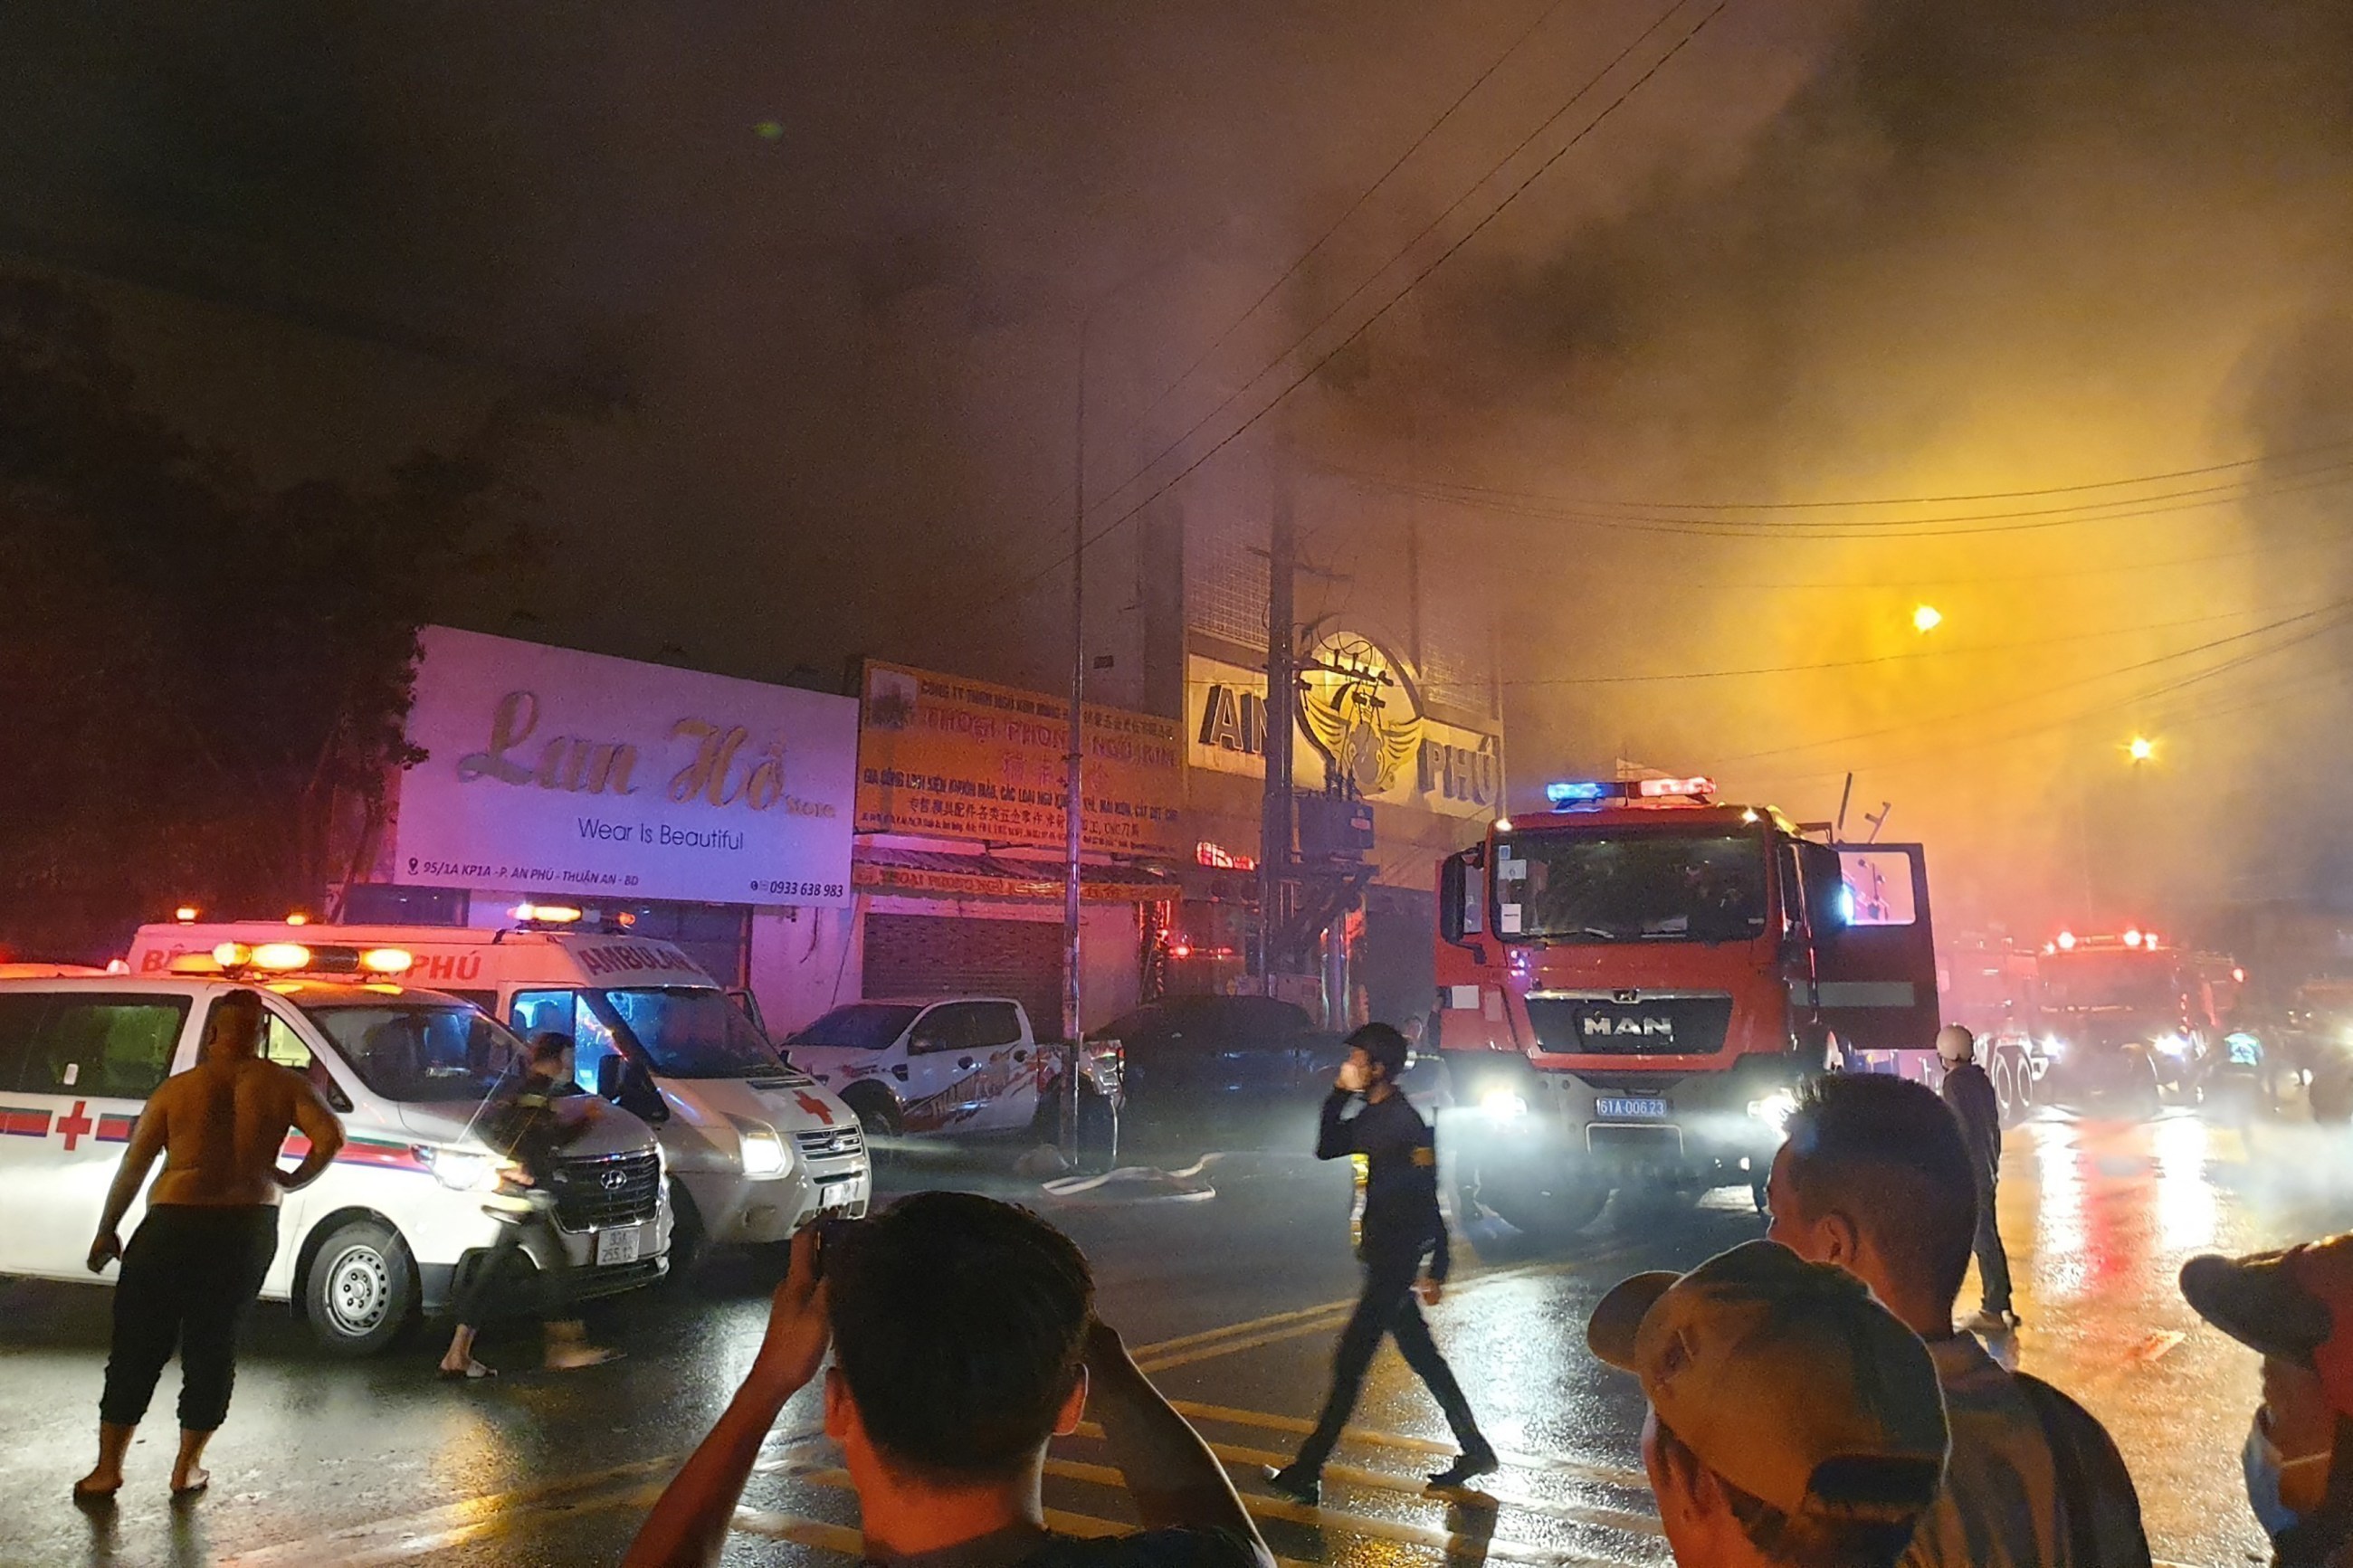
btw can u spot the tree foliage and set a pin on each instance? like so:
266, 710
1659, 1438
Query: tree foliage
203, 679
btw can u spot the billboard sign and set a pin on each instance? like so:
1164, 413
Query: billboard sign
565, 773
940, 756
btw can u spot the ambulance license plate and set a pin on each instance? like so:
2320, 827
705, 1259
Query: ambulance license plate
837, 1195
1644, 1109
619, 1246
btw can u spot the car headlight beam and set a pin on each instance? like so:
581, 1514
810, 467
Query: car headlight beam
1775, 1108
1502, 1104
460, 1170
763, 1151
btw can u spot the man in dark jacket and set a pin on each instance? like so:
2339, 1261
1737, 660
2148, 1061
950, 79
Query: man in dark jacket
1398, 1228
1971, 1094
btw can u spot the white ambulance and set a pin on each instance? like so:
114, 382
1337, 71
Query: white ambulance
754, 1147
397, 1223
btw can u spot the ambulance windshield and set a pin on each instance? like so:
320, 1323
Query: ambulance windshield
421, 1052
691, 1031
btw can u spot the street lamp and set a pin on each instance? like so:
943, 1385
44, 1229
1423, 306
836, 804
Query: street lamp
1926, 618
2140, 749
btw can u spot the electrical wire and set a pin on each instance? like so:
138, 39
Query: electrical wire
1903, 530
1355, 207
2331, 616
1024, 582
1873, 659
1604, 503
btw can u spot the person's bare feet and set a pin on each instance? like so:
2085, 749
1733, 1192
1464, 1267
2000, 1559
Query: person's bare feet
571, 1358
190, 1482
99, 1486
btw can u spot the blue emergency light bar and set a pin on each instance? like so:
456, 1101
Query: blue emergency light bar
1567, 794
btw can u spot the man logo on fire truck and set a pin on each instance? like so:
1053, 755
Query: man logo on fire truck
1632, 986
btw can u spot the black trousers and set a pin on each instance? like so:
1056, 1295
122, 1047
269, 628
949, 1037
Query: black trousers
1993, 1262
1387, 1307
189, 1276
507, 1278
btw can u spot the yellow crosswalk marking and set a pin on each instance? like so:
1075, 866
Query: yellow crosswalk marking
1608, 1475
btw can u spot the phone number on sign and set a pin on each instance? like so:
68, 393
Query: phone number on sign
797, 889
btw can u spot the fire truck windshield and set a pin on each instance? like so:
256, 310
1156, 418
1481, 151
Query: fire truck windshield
1651, 884
2081, 980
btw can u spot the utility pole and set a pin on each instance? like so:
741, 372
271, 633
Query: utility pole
1074, 761
1282, 693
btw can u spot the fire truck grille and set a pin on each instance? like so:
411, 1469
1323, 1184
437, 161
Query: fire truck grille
1667, 1025
613, 1189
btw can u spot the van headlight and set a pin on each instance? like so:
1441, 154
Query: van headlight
1774, 1109
763, 1151
2175, 1045
460, 1170
1503, 1105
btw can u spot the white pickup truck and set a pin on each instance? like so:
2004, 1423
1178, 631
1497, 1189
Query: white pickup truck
936, 1067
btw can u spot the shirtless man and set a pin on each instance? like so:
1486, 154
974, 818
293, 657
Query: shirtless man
197, 1260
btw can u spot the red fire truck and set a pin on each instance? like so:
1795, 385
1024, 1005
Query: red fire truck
1632, 985
2129, 1020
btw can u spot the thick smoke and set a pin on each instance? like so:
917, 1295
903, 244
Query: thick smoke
1988, 247
823, 269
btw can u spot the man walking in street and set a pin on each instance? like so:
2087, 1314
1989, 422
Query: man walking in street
1793, 1424
1399, 1228
1975, 1105
197, 1260
1875, 1178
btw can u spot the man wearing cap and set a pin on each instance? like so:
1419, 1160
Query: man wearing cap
1794, 1421
2295, 1308
1875, 1178
1975, 1105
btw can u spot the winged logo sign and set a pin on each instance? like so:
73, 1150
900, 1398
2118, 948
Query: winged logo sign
1358, 712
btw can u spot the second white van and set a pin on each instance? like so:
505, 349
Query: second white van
754, 1147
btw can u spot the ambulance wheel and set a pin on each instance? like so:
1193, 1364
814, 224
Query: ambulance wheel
360, 1290
877, 1112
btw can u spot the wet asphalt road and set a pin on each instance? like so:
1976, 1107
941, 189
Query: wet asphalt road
1232, 1299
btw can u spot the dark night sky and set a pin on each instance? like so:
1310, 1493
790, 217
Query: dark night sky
1831, 250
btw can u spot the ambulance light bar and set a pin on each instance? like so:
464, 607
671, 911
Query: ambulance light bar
293, 957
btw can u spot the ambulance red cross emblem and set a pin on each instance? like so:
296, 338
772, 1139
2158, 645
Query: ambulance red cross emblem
77, 1126
809, 1104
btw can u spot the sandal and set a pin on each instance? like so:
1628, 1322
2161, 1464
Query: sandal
472, 1371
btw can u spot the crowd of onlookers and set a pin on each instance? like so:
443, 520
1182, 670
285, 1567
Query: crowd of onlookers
1811, 1401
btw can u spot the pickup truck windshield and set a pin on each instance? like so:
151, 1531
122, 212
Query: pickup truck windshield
1699, 884
861, 1026
421, 1052
691, 1031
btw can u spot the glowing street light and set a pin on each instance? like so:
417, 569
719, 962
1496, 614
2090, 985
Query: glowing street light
2140, 749
1926, 618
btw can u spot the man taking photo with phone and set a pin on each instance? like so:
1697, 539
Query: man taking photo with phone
943, 1414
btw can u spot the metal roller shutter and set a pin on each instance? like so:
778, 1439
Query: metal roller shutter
943, 955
